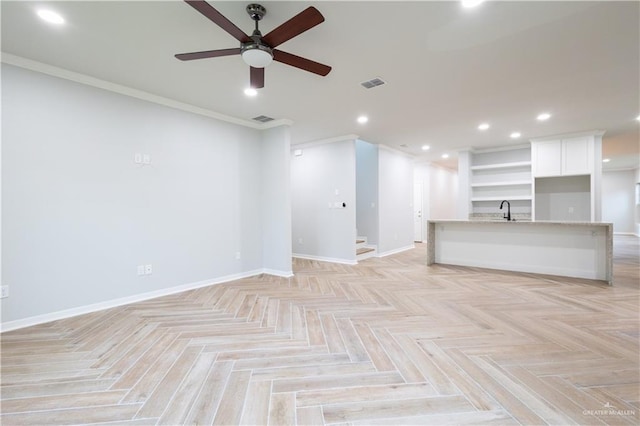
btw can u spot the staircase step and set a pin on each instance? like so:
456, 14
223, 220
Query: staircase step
363, 250
360, 241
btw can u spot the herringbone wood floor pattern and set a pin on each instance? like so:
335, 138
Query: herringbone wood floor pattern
389, 341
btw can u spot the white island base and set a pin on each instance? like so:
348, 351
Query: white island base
571, 249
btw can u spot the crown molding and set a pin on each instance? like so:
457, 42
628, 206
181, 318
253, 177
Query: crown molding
51, 70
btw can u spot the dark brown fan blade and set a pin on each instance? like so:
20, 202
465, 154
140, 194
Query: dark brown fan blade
257, 78
308, 18
302, 63
208, 54
217, 18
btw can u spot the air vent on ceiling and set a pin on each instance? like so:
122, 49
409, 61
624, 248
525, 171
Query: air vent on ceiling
373, 83
262, 118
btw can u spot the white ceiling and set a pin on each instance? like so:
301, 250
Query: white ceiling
447, 68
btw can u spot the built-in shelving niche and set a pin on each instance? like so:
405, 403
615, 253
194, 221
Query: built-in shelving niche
563, 198
497, 175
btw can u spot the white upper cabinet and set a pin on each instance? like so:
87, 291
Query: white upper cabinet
562, 157
577, 156
546, 158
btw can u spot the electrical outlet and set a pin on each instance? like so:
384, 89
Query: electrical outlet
237, 255
137, 158
146, 159
4, 291
140, 269
148, 269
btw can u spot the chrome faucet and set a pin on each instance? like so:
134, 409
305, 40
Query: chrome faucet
508, 214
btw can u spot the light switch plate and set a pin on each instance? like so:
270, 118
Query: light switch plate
148, 269
4, 291
140, 269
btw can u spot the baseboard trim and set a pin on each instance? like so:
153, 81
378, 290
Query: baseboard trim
325, 259
396, 251
275, 273
626, 233
100, 306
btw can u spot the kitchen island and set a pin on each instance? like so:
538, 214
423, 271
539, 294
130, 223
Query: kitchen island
571, 249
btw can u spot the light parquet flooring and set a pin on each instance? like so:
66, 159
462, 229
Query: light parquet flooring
388, 341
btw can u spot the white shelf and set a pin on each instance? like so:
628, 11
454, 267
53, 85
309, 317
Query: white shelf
496, 175
516, 198
503, 183
502, 165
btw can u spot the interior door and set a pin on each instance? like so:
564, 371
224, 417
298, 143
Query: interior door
418, 223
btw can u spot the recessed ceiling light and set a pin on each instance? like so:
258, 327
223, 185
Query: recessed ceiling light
250, 91
50, 16
445, 155
363, 119
606, 160
515, 135
483, 126
544, 116
471, 3
425, 147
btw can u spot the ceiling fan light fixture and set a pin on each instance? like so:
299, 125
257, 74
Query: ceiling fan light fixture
257, 55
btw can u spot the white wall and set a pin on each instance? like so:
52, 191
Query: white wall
319, 231
79, 215
367, 191
395, 185
463, 206
637, 198
618, 200
276, 200
440, 191
443, 193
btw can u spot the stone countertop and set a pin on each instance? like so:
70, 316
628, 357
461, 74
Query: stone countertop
526, 222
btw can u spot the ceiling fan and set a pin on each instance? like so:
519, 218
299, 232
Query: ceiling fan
257, 50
